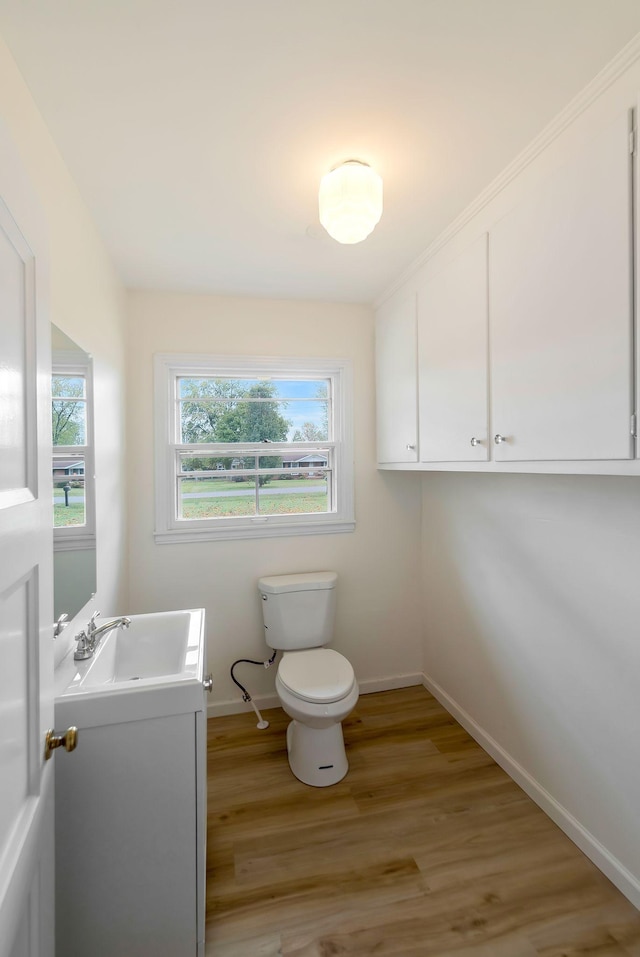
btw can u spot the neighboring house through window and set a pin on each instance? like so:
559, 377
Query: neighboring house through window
252, 447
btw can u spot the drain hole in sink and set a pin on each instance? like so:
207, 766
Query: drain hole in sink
134, 678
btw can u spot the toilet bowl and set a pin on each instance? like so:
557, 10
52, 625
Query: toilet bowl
316, 686
318, 689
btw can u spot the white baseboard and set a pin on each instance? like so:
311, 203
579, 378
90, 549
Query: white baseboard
237, 706
617, 873
372, 685
369, 686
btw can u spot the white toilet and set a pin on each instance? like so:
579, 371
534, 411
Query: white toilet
316, 686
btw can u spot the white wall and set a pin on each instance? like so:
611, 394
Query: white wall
378, 564
533, 609
88, 304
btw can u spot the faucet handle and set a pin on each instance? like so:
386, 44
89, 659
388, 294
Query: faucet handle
91, 627
84, 646
60, 624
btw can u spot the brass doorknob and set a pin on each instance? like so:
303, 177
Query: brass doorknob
68, 741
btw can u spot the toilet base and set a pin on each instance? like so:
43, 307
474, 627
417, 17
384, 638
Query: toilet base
316, 755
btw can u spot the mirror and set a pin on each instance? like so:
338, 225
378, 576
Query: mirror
74, 540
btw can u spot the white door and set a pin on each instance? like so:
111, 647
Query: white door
26, 563
396, 382
452, 359
561, 311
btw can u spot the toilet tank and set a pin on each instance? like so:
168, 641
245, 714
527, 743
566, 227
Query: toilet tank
298, 610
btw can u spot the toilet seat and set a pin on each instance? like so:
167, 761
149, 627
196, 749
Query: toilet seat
319, 675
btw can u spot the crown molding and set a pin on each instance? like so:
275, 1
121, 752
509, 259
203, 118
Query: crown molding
582, 101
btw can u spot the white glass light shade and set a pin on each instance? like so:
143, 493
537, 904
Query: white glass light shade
350, 201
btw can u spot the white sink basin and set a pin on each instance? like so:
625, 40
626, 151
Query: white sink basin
155, 666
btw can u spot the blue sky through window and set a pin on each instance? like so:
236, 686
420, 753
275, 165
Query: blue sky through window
299, 411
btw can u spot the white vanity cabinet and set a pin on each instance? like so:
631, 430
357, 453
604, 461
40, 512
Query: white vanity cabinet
397, 382
452, 359
562, 311
130, 836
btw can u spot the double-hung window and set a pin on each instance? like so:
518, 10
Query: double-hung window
252, 447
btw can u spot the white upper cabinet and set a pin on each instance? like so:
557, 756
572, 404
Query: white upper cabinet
452, 359
511, 347
561, 312
396, 382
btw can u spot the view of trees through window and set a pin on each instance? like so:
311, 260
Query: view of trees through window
69, 437
68, 410
253, 412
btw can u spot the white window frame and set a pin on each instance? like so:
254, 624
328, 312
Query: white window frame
170, 528
72, 537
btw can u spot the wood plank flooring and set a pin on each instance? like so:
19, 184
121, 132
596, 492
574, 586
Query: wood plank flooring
426, 848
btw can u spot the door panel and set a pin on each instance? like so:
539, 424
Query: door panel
15, 628
452, 353
561, 311
13, 416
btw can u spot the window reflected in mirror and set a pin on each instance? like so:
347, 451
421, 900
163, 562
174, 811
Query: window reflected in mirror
69, 429
73, 475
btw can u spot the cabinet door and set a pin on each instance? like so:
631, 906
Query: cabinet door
396, 382
561, 312
452, 359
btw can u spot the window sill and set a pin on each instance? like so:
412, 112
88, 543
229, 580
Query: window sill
72, 543
258, 530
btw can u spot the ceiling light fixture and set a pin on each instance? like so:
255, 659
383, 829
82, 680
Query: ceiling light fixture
350, 201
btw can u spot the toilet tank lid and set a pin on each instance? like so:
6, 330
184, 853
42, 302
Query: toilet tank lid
309, 581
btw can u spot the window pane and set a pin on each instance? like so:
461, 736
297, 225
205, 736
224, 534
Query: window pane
222, 387
234, 421
216, 497
213, 387
213, 409
300, 462
302, 388
68, 410
215, 463
309, 420
203, 420
69, 507
301, 495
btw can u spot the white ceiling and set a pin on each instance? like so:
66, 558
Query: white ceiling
197, 131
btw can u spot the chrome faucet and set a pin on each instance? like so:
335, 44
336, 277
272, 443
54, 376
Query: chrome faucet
89, 638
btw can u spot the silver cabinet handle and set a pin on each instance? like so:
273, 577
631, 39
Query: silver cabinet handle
411, 448
207, 683
475, 441
499, 439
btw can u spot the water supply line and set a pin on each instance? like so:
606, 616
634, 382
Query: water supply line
262, 724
